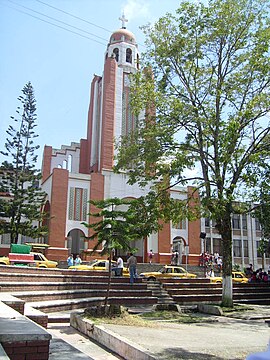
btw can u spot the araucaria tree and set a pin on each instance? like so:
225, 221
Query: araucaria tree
19, 180
209, 86
116, 224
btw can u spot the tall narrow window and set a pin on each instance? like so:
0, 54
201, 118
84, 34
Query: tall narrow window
129, 56
77, 204
69, 163
116, 53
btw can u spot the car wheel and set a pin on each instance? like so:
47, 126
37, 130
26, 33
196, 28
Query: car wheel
151, 278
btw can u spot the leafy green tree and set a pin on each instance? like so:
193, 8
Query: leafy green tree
262, 213
206, 92
19, 180
116, 225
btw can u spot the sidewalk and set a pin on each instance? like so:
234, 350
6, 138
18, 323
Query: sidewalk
218, 338
67, 344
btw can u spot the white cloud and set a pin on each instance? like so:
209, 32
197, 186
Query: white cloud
135, 9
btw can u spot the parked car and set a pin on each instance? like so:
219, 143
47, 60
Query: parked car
237, 277
39, 259
168, 271
99, 265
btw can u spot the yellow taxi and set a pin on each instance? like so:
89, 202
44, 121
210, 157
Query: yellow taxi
237, 277
99, 265
168, 271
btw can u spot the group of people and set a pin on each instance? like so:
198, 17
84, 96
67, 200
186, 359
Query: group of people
257, 276
131, 265
211, 261
71, 261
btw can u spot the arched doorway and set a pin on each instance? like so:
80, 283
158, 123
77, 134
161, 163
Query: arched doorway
179, 245
75, 241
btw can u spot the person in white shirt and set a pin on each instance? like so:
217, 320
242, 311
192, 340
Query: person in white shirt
120, 266
78, 260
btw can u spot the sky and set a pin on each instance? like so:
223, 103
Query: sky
58, 45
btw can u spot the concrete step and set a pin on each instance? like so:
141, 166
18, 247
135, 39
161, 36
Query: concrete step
193, 291
195, 299
33, 286
254, 301
73, 277
33, 296
69, 304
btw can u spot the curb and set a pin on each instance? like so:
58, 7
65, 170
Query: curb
116, 343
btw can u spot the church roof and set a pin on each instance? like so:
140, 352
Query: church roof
121, 35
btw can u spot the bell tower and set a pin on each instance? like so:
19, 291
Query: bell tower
109, 115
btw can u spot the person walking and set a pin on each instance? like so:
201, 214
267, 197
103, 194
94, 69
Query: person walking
120, 266
70, 260
132, 267
78, 260
150, 255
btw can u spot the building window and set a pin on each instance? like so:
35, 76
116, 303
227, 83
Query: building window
129, 56
207, 222
5, 239
245, 245
257, 224
116, 53
236, 221
217, 246
244, 221
69, 163
237, 250
77, 204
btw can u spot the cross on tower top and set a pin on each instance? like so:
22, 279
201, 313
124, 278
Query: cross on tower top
124, 20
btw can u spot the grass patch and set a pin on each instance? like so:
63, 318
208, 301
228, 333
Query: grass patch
172, 316
236, 308
148, 319
122, 319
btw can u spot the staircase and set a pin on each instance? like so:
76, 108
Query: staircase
45, 291
163, 298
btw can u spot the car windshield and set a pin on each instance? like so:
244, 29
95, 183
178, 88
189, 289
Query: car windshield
162, 270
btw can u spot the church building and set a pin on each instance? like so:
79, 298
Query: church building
74, 174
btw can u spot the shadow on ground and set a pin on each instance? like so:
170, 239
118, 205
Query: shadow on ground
182, 354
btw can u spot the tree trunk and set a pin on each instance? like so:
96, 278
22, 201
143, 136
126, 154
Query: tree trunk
225, 230
109, 281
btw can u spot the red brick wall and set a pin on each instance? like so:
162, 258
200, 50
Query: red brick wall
27, 350
164, 242
46, 163
58, 208
84, 158
108, 114
96, 193
95, 80
194, 229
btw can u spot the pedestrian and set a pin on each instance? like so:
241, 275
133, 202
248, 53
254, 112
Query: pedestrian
172, 258
78, 260
219, 264
70, 260
150, 255
120, 266
176, 257
132, 267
